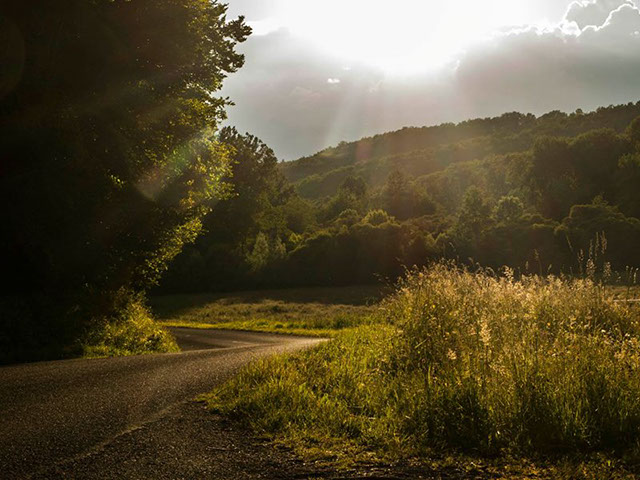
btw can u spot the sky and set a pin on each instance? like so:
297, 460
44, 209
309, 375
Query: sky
318, 72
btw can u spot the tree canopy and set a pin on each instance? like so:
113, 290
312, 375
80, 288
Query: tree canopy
528, 192
110, 155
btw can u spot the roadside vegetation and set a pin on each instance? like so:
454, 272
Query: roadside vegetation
469, 364
133, 331
306, 311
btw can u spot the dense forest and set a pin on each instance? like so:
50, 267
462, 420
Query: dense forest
539, 194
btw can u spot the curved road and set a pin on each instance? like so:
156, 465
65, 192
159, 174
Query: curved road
54, 412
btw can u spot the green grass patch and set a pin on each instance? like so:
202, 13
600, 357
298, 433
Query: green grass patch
304, 311
132, 332
469, 364
258, 326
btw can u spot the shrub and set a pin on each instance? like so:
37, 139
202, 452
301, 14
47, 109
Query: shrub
132, 331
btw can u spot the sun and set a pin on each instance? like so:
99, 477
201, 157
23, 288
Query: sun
401, 37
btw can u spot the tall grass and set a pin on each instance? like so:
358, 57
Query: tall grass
542, 364
466, 361
131, 330
303, 311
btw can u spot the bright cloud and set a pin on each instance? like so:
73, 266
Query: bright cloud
593, 13
287, 94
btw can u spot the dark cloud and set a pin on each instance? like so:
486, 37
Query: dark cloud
299, 100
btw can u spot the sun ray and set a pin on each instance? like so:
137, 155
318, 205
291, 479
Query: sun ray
408, 37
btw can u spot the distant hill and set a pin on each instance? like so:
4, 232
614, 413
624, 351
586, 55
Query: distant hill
417, 152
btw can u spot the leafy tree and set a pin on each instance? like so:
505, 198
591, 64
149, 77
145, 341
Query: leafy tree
585, 222
634, 131
355, 186
348, 218
299, 214
110, 158
474, 215
509, 210
627, 180
265, 252
351, 196
262, 204
498, 191
401, 198
595, 156
377, 217
397, 195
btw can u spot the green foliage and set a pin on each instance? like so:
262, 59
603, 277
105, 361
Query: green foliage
377, 218
265, 252
110, 155
509, 210
423, 151
352, 195
348, 218
634, 131
585, 222
245, 233
475, 212
460, 361
402, 199
259, 256
627, 181
132, 332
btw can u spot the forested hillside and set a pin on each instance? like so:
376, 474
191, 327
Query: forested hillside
539, 194
421, 151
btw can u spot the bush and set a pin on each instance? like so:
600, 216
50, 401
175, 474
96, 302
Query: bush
132, 332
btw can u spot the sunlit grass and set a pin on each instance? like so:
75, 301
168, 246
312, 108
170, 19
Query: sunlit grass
134, 332
626, 293
469, 363
310, 311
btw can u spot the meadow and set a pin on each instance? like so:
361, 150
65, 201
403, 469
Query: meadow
306, 311
458, 365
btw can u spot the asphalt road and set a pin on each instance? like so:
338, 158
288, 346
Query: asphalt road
55, 412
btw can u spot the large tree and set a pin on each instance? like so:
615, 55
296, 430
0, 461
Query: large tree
262, 212
109, 156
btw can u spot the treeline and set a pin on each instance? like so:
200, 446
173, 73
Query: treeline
537, 194
109, 159
420, 151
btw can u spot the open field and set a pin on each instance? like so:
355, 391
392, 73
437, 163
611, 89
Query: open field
543, 373
306, 311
